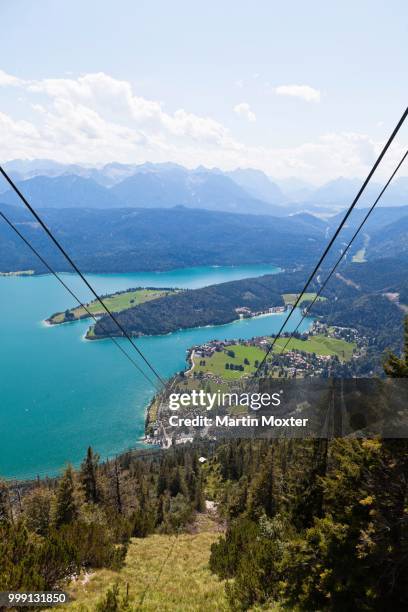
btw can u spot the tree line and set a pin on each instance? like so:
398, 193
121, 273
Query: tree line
52, 530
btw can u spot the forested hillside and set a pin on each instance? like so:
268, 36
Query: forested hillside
362, 296
313, 525
214, 305
52, 529
358, 296
391, 241
129, 240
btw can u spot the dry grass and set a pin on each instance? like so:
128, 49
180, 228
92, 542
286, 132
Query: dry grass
164, 572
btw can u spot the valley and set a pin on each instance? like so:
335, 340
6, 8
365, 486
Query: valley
95, 397
82, 392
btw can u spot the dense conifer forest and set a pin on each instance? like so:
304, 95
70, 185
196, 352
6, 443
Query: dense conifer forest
213, 305
139, 239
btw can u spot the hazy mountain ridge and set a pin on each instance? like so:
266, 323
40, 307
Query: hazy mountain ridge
390, 241
243, 190
257, 184
65, 191
199, 189
148, 186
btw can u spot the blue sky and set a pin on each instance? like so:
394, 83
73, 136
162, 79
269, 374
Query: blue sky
294, 88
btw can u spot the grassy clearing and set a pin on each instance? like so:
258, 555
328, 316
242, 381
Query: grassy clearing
115, 303
359, 257
321, 345
216, 363
164, 571
290, 298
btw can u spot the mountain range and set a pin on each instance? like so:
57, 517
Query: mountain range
149, 186
51, 184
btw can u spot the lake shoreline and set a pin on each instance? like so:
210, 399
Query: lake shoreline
18, 273
182, 329
78, 393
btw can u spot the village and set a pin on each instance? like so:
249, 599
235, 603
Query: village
322, 351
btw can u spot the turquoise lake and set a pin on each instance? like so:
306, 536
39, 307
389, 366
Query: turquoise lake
60, 393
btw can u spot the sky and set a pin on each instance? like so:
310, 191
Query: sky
297, 89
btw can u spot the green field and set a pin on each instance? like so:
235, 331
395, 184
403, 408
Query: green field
321, 345
115, 303
163, 572
216, 363
290, 298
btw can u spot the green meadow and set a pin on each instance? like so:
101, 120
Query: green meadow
161, 572
290, 298
115, 302
321, 345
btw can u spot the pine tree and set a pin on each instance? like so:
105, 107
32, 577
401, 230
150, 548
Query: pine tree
37, 510
160, 512
117, 488
308, 502
176, 483
394, 366
161, 482
88, 477
5, 508
261, 494
66, 507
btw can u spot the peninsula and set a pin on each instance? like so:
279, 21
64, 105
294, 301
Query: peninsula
212, 305
116, 302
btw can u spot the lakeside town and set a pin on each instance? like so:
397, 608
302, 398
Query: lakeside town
324, 351
319, 352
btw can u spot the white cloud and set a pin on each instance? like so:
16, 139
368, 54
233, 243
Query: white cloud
305, 92
7, 79
244, 110
95, 119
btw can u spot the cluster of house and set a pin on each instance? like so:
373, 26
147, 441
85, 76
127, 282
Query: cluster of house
295, 364
292, 363
208, 349
341, 333
244, 311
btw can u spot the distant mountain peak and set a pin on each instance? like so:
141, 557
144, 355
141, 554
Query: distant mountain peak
169, 184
